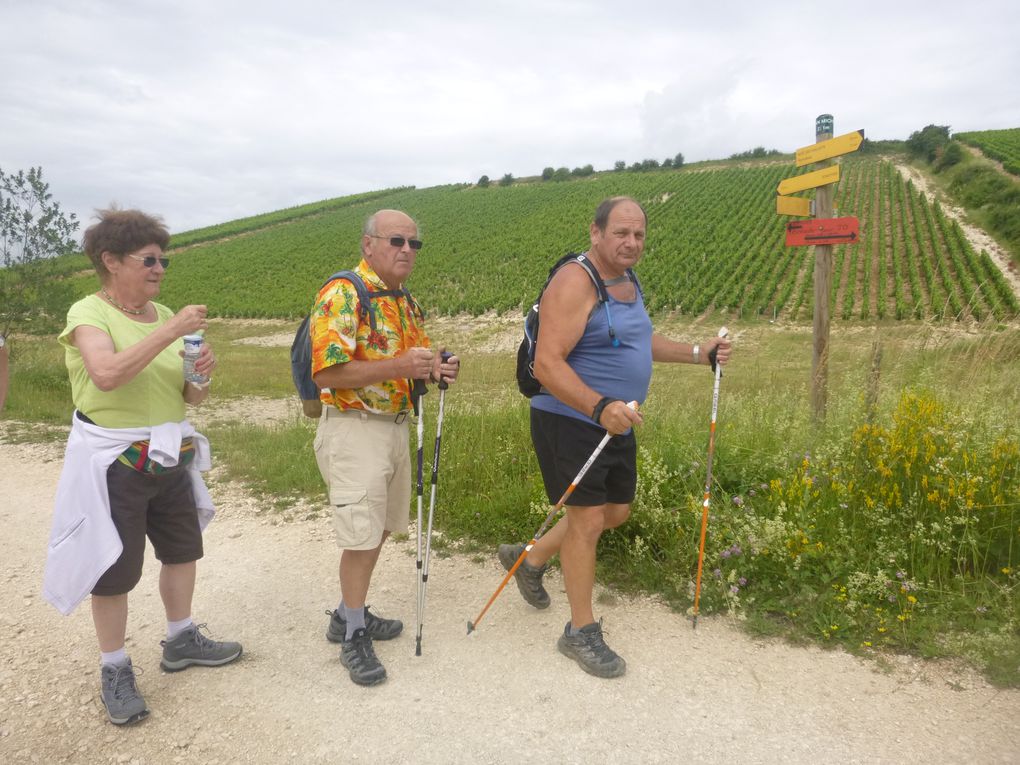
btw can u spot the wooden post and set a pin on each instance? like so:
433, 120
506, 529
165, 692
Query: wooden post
823, 282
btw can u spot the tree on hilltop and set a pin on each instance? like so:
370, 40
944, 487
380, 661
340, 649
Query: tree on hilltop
547, 173
33, 229
929, 142
483, 182
506, 180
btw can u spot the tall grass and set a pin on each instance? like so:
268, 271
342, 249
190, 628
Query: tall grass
895, 527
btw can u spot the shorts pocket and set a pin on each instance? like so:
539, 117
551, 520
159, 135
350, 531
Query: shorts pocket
352, 518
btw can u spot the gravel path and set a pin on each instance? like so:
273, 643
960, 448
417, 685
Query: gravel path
501, 695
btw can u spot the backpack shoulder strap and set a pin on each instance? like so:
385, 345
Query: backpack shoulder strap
359, 286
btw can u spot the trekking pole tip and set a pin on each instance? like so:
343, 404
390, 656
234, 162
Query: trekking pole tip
694, 622
417, 648
471, 628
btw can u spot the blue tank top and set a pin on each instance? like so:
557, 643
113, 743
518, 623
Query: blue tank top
622, 371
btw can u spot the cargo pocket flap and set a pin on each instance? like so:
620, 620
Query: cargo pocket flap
345, 496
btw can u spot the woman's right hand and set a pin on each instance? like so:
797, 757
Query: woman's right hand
189, 320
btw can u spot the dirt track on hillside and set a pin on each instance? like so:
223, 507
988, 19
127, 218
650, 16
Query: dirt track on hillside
501, 695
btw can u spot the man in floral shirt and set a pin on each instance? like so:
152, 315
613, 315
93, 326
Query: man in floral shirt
362, 440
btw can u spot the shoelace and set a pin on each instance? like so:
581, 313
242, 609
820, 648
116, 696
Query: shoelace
363, 649
124, 682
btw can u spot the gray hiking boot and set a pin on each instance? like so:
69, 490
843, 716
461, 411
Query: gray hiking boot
192, 647
358, 655
589, 650
376, 627
124, 704
529, 578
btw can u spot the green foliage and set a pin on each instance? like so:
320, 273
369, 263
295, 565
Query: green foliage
619, 166
483, 182
506, 180
32, 229
1001, 145
714, 243
758, 152
547, 173
929, 142
953, 154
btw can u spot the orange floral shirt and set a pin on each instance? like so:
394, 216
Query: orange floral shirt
340, 334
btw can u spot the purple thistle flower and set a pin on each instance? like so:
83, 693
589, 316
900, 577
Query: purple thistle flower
734, 589
717, 573
742, 581
738, 501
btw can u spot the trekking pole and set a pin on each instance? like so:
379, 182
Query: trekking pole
423, 580
545, 524
418, 390
708, 481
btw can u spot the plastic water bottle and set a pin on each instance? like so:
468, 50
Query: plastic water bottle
192, 347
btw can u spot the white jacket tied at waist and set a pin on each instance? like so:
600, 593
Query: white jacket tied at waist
84, 543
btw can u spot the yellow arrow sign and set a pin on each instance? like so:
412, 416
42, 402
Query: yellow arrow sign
843, 144
809, 180
793, 206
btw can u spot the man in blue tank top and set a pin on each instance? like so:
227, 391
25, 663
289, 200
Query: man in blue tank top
591, 363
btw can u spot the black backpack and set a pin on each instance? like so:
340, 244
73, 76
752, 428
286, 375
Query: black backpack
526, 382
301, 348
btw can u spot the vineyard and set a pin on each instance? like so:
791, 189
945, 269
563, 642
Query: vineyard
715, 243
1003, 145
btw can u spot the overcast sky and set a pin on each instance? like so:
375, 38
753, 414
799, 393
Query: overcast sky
208, 110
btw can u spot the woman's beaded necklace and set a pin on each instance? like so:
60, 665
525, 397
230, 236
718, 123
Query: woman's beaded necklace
125, 309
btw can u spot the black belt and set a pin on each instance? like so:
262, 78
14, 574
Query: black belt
82, 417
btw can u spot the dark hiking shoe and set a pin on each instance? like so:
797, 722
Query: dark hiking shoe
589, 650
192, 647
529, 578
376, 627
358, 655
124, 704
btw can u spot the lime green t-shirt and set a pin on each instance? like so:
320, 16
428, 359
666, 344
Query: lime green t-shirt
154, 396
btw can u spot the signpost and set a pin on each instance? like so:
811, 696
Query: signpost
811, 180
834, 147
794, 206
802, 233
821, 233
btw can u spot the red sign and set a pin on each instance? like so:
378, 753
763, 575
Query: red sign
803, 233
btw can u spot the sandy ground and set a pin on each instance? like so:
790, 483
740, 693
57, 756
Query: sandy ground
500, 695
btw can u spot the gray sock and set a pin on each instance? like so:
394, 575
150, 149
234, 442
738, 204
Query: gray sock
355, 618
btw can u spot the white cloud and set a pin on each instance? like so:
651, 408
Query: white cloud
204, 112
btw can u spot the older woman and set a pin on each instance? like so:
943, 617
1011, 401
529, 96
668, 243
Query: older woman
132, 464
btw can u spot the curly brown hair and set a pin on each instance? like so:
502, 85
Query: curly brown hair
120, 232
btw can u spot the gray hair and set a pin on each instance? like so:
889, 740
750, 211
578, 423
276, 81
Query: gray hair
370, 230
606, 207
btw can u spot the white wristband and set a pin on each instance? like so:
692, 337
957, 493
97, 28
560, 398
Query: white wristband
200, 386
696, 353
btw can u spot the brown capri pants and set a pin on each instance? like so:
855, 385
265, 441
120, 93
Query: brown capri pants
160, 506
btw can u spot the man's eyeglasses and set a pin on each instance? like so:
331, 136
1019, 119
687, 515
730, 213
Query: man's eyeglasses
149, 261
398, 241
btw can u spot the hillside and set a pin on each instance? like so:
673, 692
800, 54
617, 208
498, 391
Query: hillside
715, 243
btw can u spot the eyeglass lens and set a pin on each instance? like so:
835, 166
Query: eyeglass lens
398, 241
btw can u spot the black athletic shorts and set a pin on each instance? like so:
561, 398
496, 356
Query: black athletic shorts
563, 444
160, 506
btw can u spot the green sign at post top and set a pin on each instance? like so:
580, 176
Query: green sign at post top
824, 123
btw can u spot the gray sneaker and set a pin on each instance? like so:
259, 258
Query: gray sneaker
376, 627
358, 655
124, 704
192, 647
529, 578
589, 650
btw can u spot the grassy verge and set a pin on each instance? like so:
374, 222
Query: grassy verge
896, 527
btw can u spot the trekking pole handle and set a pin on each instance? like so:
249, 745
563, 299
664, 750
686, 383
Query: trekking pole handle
723, 332
443, 358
